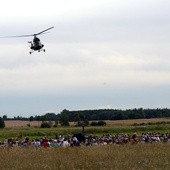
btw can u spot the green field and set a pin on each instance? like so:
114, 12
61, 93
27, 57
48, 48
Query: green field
115, 127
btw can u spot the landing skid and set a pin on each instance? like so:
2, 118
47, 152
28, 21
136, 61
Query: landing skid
36, 50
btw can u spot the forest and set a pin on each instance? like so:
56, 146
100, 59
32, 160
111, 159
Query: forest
100, 114
111, 114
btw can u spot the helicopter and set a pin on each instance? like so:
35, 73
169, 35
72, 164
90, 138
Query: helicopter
35, 44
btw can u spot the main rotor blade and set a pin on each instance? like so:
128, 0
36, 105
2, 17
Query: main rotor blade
29, 35
44, 31
18, 36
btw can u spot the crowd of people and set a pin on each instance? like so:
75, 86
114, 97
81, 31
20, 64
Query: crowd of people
90, 140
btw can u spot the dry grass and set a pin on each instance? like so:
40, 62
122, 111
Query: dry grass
19, 123
137, 157
132, 121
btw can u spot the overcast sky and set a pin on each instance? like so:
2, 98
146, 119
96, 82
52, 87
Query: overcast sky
101, 54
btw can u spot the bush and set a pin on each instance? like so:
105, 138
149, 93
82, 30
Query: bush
99, 123
55, 125
29, 125
93, 124
45, 125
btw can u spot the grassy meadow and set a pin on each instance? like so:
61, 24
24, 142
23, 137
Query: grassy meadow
20, 128
115, 157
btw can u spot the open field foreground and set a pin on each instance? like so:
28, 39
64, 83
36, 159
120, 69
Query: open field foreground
137, 157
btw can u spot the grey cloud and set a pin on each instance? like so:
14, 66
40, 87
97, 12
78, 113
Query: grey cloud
116, 55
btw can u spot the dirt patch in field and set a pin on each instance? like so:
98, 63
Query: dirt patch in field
132, 121
20, 123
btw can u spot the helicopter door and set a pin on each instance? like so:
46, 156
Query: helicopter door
36, 42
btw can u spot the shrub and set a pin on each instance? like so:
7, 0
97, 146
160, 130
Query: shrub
55, 125
29, 125
101, 123
45, 125
94, 124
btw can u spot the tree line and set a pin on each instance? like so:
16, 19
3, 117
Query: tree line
114, 114
83, 116
100, 114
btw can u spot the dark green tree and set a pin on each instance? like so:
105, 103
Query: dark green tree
81, 121
2, 123
4, 117
31, 118
64, 121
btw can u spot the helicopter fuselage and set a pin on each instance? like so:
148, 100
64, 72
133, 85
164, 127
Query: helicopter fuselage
36, 45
